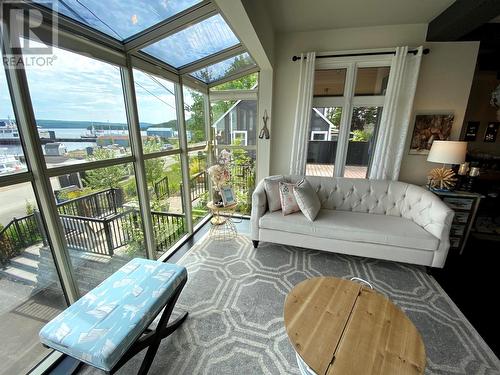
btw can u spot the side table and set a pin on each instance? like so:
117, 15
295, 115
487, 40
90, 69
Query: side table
465, 205
223, 228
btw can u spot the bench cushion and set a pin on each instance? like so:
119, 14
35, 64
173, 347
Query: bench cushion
100, 327
355, 227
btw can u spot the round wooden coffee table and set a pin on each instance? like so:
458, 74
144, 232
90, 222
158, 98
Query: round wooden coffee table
339, 326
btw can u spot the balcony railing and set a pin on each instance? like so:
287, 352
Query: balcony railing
104, 226
198, 185
96, 205
17, 235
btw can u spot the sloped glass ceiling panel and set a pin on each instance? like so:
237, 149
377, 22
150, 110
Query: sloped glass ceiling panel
194, 42
119, 18
224, 68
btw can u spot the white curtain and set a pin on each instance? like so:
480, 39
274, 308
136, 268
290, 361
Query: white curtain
396, 115
303, 114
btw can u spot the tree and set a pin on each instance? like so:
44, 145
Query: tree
196, 124
155, 168
107, 177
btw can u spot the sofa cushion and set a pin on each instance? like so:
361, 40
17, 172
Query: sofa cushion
307, 199
288, 202
355, 227
272, 188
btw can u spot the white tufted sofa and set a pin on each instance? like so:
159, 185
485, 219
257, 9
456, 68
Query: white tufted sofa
378, 219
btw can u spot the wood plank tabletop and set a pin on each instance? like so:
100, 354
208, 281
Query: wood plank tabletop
341, 327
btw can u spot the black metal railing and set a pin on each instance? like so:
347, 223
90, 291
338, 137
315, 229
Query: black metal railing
198, 186
168, 229
96, 205
18, 234
161, 188
104, 236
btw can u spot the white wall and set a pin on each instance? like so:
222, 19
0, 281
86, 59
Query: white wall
444, 84
446, 75
261, 21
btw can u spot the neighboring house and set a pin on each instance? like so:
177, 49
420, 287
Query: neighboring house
321, 129
238, 123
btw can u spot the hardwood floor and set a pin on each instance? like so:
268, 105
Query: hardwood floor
472, 282
326, 170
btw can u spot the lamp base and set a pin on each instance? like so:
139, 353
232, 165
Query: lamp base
441, 179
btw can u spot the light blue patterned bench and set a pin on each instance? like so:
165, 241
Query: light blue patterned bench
109, 325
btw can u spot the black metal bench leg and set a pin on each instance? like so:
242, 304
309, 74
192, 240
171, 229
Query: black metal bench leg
148, 359
152, 338
176, 323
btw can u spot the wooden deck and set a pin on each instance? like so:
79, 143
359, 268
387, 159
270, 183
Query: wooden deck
326, 170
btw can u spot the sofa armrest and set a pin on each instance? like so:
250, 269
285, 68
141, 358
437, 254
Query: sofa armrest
259, 208
445, 215
431, 213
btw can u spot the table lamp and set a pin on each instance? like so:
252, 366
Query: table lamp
445, 152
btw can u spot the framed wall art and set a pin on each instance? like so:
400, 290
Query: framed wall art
490, 135
471, 131
427, 129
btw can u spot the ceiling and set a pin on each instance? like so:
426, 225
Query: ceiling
306, 15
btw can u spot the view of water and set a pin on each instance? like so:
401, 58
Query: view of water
60, 133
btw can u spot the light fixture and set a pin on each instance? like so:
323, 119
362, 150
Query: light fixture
445, 152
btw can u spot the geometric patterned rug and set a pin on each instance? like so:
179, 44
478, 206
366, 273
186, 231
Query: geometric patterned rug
235, 296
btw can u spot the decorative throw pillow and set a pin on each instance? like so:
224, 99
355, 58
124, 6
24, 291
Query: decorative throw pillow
288, 203
272, 188
307, 199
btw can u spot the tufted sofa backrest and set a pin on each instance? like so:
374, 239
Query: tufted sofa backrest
382, 197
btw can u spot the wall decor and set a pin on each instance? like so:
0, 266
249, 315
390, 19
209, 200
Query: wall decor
490, 135
429, 128
471, 131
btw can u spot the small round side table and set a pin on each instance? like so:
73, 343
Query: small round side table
223, 228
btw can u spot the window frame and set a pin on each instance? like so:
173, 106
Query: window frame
83, 40
348, 100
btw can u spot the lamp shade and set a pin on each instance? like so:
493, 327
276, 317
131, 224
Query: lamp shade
447, 152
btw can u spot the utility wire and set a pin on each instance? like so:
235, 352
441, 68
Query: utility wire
97, 17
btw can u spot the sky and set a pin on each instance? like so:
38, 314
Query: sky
79, 88
128, 17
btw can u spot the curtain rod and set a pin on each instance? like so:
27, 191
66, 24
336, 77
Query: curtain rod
414, 52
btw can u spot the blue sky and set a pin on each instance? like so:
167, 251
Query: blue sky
121, 18
80, 88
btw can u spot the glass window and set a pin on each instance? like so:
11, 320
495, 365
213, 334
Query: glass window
241, 168
194, 42
30, 293
194, 113
235, 122
362, 137
157, 112
372, 81
329, 82
244, 83
79, 109
323, 137
99, 213
224, 68
120, 18
198, 180
11, 151
164, 180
